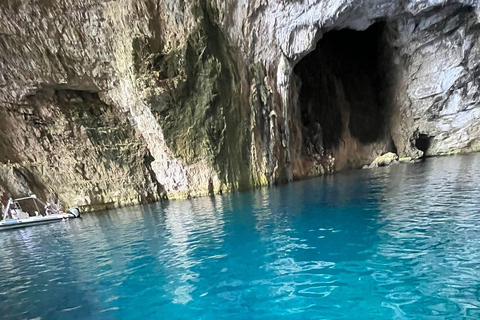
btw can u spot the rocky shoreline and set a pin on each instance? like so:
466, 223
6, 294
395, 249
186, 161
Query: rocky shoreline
388, 159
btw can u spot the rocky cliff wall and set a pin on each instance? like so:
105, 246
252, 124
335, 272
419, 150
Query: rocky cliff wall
121, 101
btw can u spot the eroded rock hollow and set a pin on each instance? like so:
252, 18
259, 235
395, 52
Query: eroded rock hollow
113, 103
345, 95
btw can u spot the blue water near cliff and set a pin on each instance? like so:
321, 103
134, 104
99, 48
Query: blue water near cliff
394, 243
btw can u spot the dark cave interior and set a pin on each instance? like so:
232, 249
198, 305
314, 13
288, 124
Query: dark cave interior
423, 143
344, 83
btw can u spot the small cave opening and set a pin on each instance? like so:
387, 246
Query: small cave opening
423, 143
344, 86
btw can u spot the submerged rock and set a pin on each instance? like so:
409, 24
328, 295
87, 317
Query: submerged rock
405, 160
123, 101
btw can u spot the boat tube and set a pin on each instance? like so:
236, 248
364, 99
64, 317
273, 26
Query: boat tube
14, 217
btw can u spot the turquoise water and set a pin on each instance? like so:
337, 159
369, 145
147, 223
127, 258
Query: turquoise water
395, 243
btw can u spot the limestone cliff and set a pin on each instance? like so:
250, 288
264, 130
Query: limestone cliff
121, 101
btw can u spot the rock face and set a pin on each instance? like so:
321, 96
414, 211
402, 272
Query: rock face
384, 160
119, 102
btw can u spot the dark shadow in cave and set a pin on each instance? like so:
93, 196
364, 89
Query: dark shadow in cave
345, 81
423, 143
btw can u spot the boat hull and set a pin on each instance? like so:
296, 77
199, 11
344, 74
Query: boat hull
10, 224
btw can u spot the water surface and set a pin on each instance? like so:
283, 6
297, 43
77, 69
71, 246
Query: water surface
394, 243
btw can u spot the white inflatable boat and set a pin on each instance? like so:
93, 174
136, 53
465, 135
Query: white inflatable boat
14, 216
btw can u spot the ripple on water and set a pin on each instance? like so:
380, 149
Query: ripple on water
394, 243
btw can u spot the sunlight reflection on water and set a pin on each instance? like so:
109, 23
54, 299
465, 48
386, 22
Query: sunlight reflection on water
393, 243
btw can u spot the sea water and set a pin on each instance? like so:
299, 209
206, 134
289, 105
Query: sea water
401, 242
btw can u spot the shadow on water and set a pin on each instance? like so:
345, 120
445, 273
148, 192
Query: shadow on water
33, 277
397, 242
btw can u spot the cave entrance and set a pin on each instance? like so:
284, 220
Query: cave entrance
423, 143
344, 86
